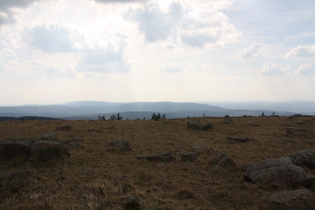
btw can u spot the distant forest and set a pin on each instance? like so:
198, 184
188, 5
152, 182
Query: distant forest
27, 118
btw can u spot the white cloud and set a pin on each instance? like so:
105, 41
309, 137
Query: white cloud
108, 59
272, 69
171, 69
51, 38
305, 69
59, 72
199, 39
302, 51
192, 25
155, 23
253, 51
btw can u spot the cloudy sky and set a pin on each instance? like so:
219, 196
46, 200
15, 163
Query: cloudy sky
56, 51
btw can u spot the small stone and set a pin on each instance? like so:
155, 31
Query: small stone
223, 160
131, 203
189, 157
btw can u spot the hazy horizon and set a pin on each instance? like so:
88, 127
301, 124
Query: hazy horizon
200, 102
57, 51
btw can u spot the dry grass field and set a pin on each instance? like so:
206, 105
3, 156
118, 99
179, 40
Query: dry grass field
95, 177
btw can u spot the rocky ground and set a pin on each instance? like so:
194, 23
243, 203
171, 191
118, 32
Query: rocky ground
205, 163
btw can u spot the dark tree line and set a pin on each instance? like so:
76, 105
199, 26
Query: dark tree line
157, 117
113, 117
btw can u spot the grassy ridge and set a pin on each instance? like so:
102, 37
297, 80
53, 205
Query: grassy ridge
96, 178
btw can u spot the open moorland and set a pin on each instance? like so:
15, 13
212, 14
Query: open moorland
100, 175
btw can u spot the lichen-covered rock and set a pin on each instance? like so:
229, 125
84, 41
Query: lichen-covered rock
291, 200
49, 150
278, 172
16, 148
302, 158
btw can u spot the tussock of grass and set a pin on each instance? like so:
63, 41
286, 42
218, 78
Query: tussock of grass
99, 177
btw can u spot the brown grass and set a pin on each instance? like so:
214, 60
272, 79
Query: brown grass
96, 177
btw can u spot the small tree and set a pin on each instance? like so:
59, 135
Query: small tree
153, 116
119, 117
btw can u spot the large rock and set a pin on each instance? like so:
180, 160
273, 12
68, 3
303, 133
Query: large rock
49, 150
197, 125
16, 148
302, 158
31, 149
12, 182
279, 172
291, 200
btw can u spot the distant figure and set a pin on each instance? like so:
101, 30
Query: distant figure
263, 114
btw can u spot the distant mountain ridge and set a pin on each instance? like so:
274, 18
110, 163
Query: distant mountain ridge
92, 109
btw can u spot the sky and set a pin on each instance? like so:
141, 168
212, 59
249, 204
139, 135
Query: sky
57, 51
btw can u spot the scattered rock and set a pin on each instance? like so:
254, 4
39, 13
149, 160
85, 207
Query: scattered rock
290, 200
161, 157
197, 125
49, 137
300, 123
238, 139
49, 150
189, 157
297, 131
12, 182
63, 128
200, 149
223, 160
121, 145
131, 203
302, 158
279, 172
16, 148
